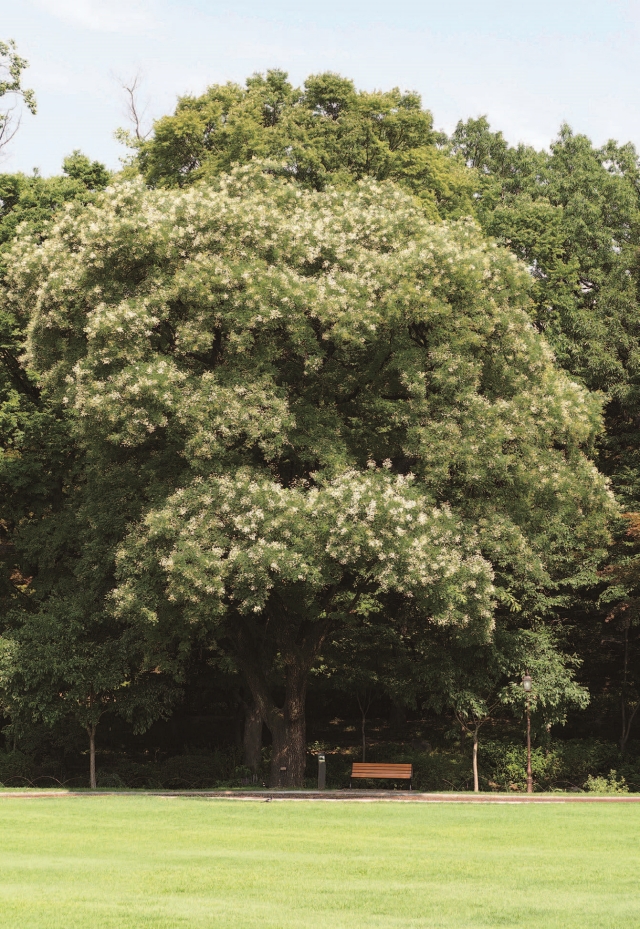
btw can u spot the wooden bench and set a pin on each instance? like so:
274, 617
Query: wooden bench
392, 772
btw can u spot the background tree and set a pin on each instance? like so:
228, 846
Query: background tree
11, 68
618, 639
136, 112
58, 663
326, 133
480, 680
37, 457
573, 216
29, 204
368, 661
65, 508
33, 201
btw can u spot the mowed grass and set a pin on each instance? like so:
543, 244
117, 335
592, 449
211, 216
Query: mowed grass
133, 861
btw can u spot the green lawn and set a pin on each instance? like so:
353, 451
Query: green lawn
135, 861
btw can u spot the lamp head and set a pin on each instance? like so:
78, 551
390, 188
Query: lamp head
527, 683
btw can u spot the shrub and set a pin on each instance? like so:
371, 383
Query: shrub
16, 769
611, 784
556, 765
199, 772
109, 779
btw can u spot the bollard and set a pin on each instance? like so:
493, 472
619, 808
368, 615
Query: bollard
283, 776
322, 772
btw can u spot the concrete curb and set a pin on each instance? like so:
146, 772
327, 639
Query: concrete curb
336, 796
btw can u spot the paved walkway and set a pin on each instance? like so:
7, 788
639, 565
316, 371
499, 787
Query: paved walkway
361, 796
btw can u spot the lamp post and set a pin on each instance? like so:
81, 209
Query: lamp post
526, 684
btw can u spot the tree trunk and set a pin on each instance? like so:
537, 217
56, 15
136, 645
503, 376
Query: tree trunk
286, 723
628, 715
252, 739
91, 730
288, 731
627, 720
476, 783
364, 705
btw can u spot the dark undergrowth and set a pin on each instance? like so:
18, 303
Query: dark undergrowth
570, 765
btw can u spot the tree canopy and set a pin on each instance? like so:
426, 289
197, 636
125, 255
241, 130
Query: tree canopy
327, 133
332, 407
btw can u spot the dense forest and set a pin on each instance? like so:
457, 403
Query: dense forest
318, 430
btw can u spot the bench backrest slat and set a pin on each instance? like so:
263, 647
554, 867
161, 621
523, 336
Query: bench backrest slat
399, 771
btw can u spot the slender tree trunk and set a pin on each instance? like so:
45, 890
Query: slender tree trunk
627, 720
363, 705
476, 783
91, 731
529, 771
627, 714
625, 665
252, 738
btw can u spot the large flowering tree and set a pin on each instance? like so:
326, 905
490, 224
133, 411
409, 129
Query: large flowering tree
333, 407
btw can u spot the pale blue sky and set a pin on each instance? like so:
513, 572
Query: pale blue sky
527, 64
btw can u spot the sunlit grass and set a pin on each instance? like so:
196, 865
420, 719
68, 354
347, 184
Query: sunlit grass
134, 861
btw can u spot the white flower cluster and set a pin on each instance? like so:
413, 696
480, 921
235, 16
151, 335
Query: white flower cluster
249, 324
233, 540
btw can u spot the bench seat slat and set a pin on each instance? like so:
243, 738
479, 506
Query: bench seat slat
400, 771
